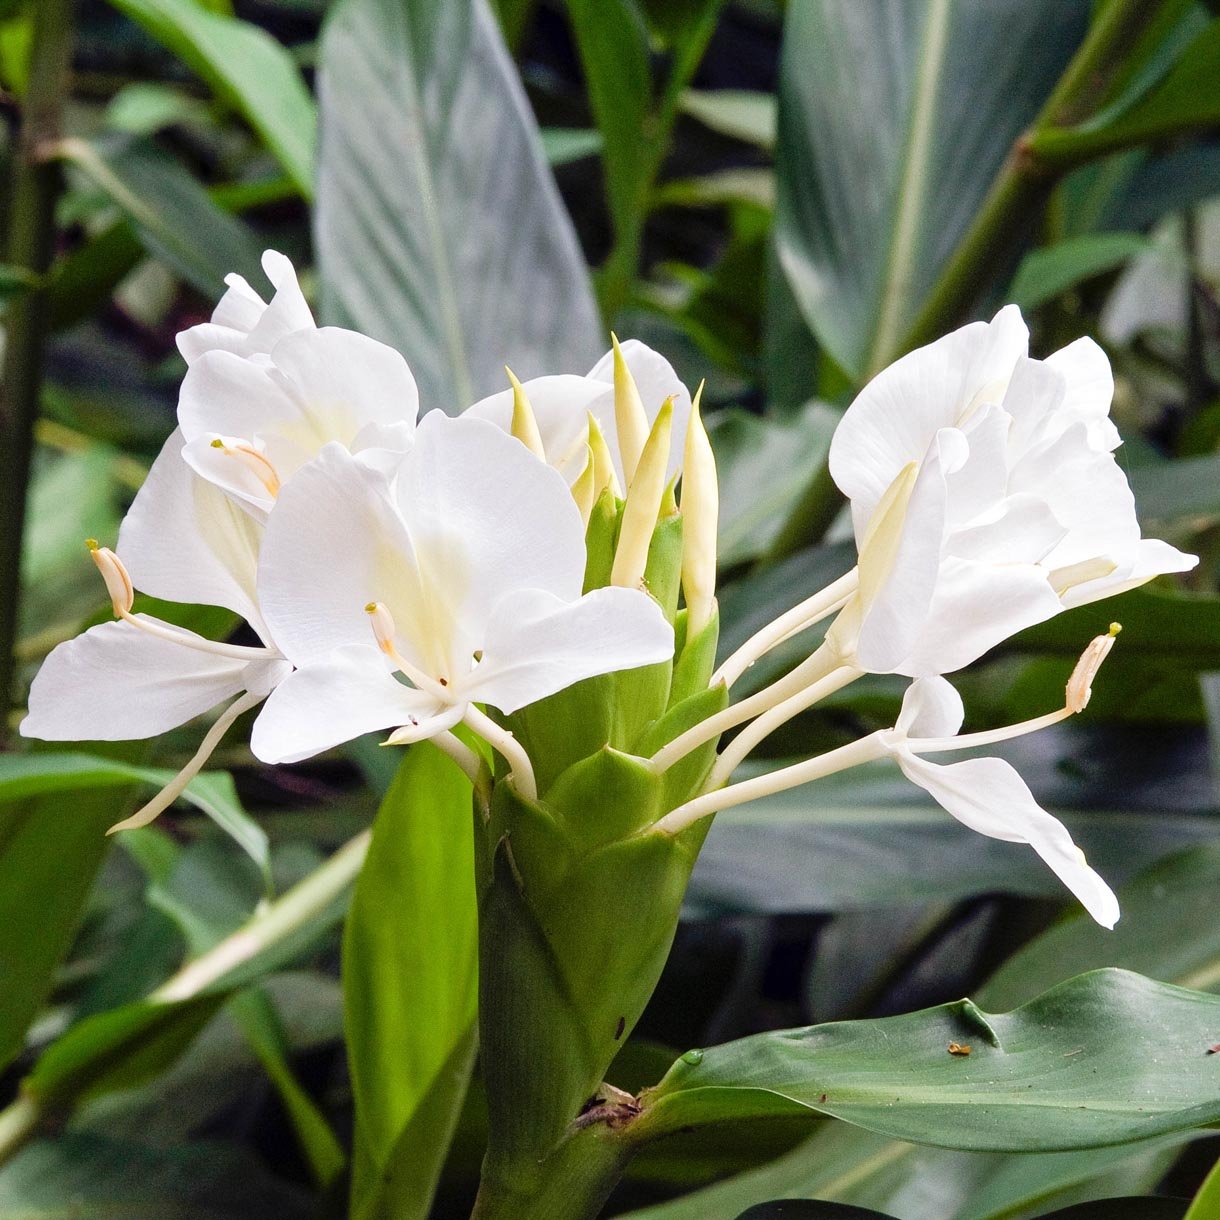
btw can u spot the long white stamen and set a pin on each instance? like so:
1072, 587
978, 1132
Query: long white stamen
811, 670
255, 462
460, 753
176, 786
385, 632
736, 752
521, 770
852, 755
811, 611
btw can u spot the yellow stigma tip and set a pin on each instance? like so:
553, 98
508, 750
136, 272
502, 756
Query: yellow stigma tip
218, 443
371, 608
92, 543
1115, 628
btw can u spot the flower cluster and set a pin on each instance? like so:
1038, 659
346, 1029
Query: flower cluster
413, 575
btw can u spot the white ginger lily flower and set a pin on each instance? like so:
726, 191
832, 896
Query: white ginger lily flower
182, 540
246, 325
250, 423
985, 484
462, 575
562, 404
987, 794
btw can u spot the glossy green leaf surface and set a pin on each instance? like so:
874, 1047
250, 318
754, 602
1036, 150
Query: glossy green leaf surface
409, 221
873, 199
1107, 1058
409, 984
247, 68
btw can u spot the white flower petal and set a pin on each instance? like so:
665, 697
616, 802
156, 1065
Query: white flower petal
537, 644
333, 544
184, 540
1090, 389
896, 417
931, 707
1151, 558
347, 694
989, 796
1025, 531
485, 518
116, 682
224, 394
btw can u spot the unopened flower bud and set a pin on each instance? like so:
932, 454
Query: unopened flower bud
118, 583
630, 418
253, 460
584, 490
700, 520
643, 504
603, 464
525, 422
1080, 684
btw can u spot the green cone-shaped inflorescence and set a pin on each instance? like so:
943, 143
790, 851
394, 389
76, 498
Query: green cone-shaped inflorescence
579, 896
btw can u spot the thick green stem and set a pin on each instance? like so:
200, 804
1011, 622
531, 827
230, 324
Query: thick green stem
35, 187
574, 1181
273, 925
1025, 182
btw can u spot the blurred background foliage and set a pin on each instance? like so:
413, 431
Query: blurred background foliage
782, 198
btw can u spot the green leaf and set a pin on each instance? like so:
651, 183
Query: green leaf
1185, 99
247, 68
173, 214
809, 1209
743, 114
1050, 271
563, 145
1171, 491
410, 985
1108, 1058
1123, 1209
1206, 1204
412, 232
77, 1175
894, 120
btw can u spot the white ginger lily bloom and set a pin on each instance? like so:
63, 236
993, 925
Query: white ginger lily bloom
562, 404
987, 794
251, 422
182, 540
462, 575
245, 324
986, 485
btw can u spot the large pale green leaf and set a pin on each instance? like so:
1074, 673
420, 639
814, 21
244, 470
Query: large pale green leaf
1107, 1058
247, 67
410, 985
1049, 271
438, 227
1206, 1204
893, 121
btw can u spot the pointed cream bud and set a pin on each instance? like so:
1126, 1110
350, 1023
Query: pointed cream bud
118, 583
630, 418
1080, 684
643, 504
700, 520
525, 422
603, 464
254, 461
583, 490
384, 630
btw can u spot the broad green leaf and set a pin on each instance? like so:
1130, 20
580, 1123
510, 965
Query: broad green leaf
1050, 271
1122, 1209
1185, 99
410, 985
893, 121
173, 214
247, 68
1109, 1057
455, 249
1171, 491
77, 1175
741, 113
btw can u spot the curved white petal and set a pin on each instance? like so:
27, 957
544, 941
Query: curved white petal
1150, 559
931, 707
349, 693
1024, 531
1090, 389
243, 323
561, 405
989, 796
227, 395
896, 417
116, 682
485, 518
184, 540
333, 544
537, 644
230, 474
